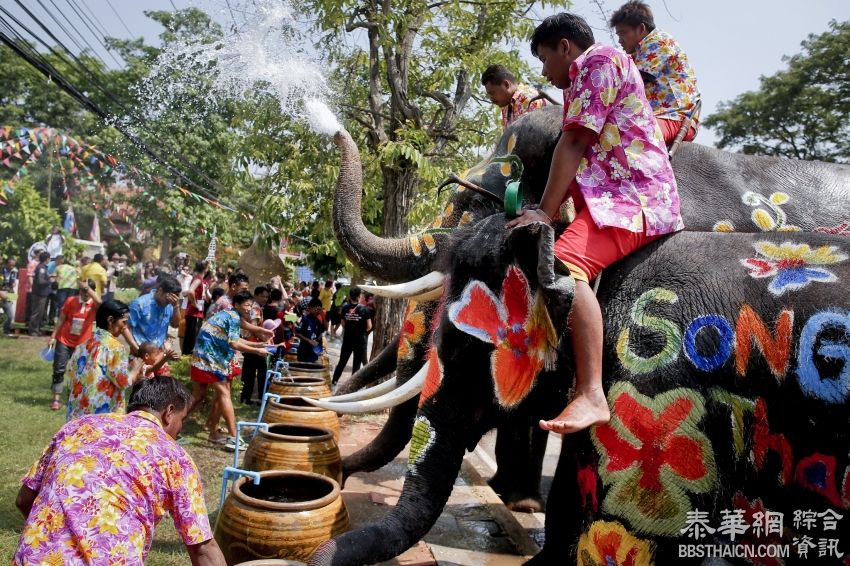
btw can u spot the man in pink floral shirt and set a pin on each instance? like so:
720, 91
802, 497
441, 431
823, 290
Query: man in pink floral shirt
612, 160
105, 481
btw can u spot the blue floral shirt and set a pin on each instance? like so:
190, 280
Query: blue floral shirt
213, 352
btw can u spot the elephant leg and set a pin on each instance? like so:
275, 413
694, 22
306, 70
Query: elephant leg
520, 449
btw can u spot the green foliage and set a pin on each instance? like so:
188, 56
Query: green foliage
802, 112
24, 220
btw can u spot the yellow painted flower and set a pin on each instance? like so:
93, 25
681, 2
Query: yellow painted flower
137, 539
608, 543
610, 137
429, 241
194, 533
789, 251
438, 222
412, 330
779, 198
416, 245
633, 103
574, 108
449, 210
119, 549
511, 143
465, 218
723, 226
505, 169
55, 558
763, 219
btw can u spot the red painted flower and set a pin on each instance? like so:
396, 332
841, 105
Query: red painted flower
518, 327
653, 453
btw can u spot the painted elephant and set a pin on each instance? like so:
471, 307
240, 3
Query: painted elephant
727, 359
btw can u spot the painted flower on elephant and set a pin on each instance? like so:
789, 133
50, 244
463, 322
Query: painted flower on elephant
517, 325
421, 439
608, 543
412, 330
653, 454
792, 266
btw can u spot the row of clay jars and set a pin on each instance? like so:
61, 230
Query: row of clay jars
287, 515
254, 527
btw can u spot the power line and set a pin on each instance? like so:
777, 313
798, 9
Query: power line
71, 24
96, 19
120, 19
94, 34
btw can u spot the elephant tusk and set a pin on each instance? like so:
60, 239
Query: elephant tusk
367, 393
431, 295
408, 390
408, 290
454, 179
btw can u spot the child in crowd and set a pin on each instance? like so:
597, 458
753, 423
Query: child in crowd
154, 357
310, 332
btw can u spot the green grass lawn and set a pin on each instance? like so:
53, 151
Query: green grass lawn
27, 425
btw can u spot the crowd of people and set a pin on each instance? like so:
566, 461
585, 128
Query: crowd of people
103, 348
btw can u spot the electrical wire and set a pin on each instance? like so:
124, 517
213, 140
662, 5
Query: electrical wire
94, 34
96, 19
120, 19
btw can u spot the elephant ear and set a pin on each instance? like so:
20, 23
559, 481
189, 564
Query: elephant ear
557, 290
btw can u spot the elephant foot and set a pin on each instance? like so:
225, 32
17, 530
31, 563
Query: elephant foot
525, 504
498, 484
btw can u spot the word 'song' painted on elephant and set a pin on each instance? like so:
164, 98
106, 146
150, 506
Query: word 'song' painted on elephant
734, 344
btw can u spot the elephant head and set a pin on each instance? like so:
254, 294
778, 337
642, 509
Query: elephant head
499, 316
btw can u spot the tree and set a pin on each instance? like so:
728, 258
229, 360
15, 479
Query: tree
409, 71
802, 112
25, 219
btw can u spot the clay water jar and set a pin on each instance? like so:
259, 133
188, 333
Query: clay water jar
293, 447
297, 411
301, 385
310, 370
287, 516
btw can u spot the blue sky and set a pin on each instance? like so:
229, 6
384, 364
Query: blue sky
730, 43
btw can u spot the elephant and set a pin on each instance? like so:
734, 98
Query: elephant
730, 340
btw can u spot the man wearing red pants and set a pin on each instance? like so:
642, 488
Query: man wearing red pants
612, 161
669, 79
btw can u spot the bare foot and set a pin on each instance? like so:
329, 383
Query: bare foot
585, 410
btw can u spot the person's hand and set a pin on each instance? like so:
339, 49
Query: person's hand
527, 216
313, 343
173, 298
266, 334
136, 364
171, 355
52, 343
